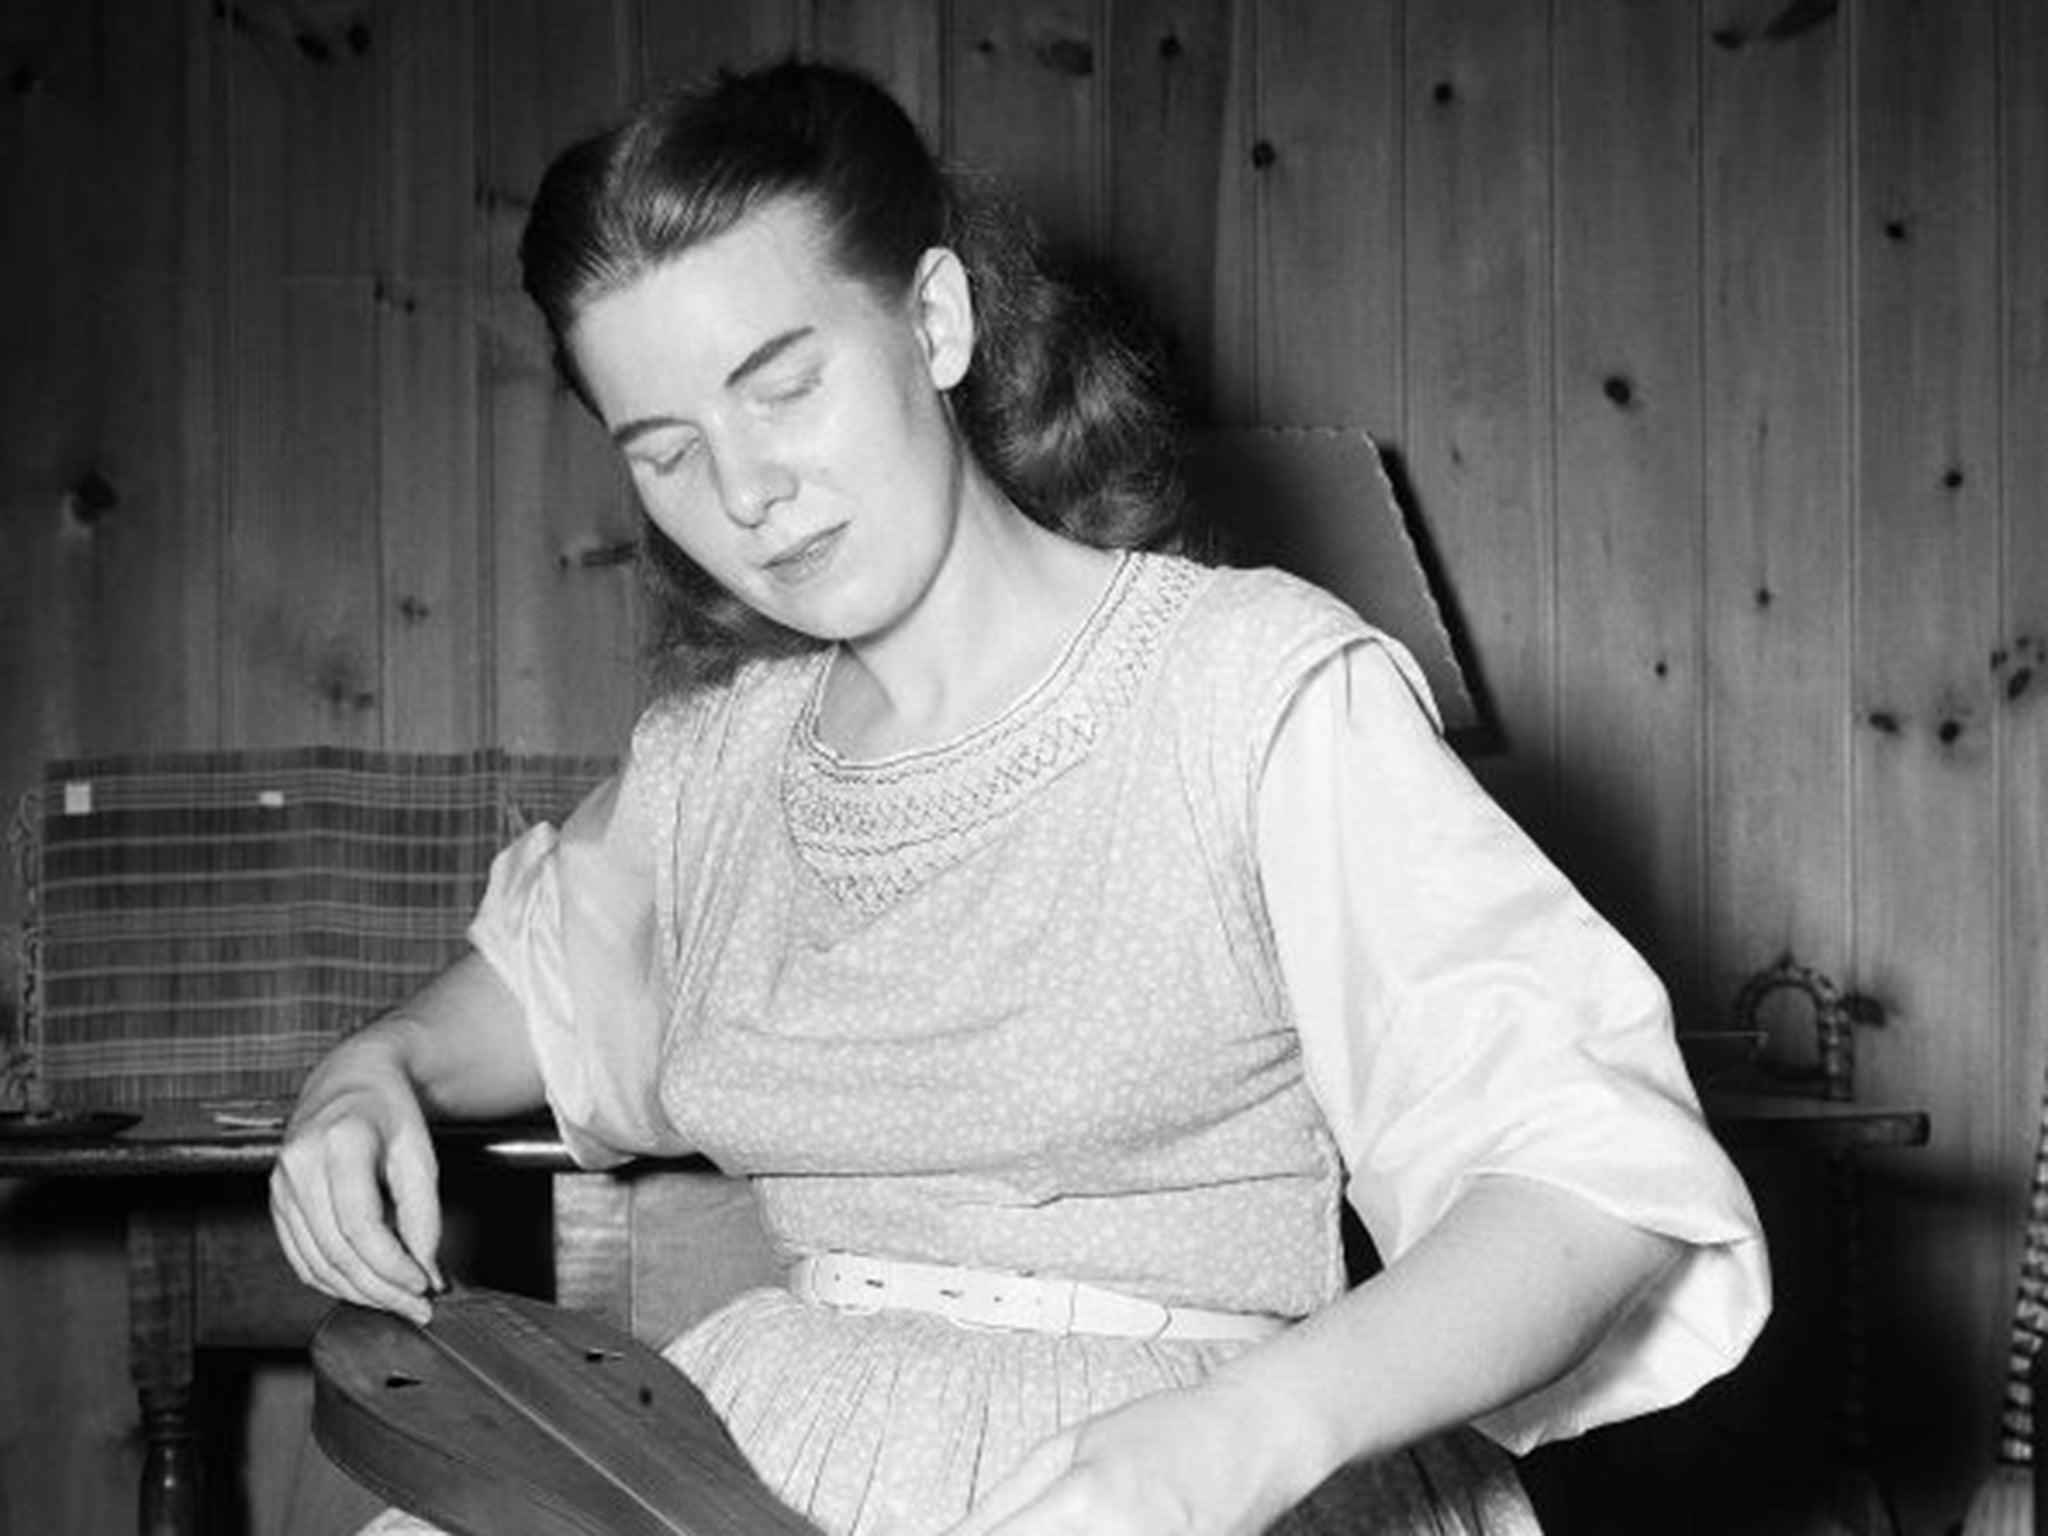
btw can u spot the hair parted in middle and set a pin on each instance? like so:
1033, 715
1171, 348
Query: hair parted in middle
1065, 404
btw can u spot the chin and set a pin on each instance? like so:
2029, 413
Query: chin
830, 618
854, 610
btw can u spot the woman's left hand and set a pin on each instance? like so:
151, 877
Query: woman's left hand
1215, 1459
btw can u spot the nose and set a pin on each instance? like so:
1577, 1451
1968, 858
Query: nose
753, 480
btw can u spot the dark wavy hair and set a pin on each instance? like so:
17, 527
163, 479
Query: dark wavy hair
1065, 404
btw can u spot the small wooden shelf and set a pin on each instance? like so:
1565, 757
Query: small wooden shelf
1788, 1122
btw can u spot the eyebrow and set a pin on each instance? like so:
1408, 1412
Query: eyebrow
749, 365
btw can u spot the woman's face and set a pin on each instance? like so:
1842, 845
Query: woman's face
784, 425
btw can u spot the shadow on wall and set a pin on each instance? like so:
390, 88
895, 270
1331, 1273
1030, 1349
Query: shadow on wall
1323, 503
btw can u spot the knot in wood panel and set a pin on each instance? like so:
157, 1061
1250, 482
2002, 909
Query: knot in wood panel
2017, 665
1070, 56
91, 498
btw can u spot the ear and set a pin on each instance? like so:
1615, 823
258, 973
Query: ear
943, 308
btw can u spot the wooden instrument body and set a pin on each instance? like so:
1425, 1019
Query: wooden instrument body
507, 1416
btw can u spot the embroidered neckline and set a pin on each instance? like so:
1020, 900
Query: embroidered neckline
872, 830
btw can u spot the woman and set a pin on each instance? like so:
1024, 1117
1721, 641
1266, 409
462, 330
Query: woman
1054, 932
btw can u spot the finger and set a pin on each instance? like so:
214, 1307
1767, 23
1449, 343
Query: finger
358, 1286
299, 1228
369, 1252
414, 1182
341, 1209
284, 1217
304, 1252
332, 1268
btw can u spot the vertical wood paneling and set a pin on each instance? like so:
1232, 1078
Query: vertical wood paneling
300, 555
1038, 64
1778, 515
433, 638
1169, 66
107, 387
1477, 215
900, 42
686, 42
562, 521
302, 595
146, 651
435, 645
107, 607
49, 373
1327, 274
1777, 541
1926, 583
1628, 469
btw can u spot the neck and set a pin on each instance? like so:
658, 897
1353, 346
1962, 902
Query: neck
1006, 600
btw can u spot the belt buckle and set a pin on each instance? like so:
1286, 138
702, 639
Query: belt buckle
868, 1279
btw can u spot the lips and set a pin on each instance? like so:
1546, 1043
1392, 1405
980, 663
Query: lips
806, 556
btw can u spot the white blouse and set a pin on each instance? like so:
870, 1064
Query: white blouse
1464, 1012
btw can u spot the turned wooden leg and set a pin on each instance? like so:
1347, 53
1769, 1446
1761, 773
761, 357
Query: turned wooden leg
161, 1257
169, 1501
1862, 1502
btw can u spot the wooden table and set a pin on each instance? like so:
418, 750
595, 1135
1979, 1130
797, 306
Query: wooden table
204, 1270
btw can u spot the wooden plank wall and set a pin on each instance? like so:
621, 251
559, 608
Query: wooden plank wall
1709, 337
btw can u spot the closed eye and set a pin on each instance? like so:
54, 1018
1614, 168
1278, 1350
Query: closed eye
793, 390
676, 458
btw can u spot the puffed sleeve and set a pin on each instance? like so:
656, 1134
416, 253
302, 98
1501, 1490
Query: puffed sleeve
1464, 1012
568, 922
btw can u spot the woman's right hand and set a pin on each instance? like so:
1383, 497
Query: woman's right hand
354, 1194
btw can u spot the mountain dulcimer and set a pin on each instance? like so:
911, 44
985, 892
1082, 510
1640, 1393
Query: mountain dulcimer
506, 1416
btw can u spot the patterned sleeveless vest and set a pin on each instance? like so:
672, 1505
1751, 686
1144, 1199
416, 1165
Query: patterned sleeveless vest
1012, 1002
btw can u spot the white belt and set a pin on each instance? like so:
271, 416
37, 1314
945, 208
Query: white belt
983, 1298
